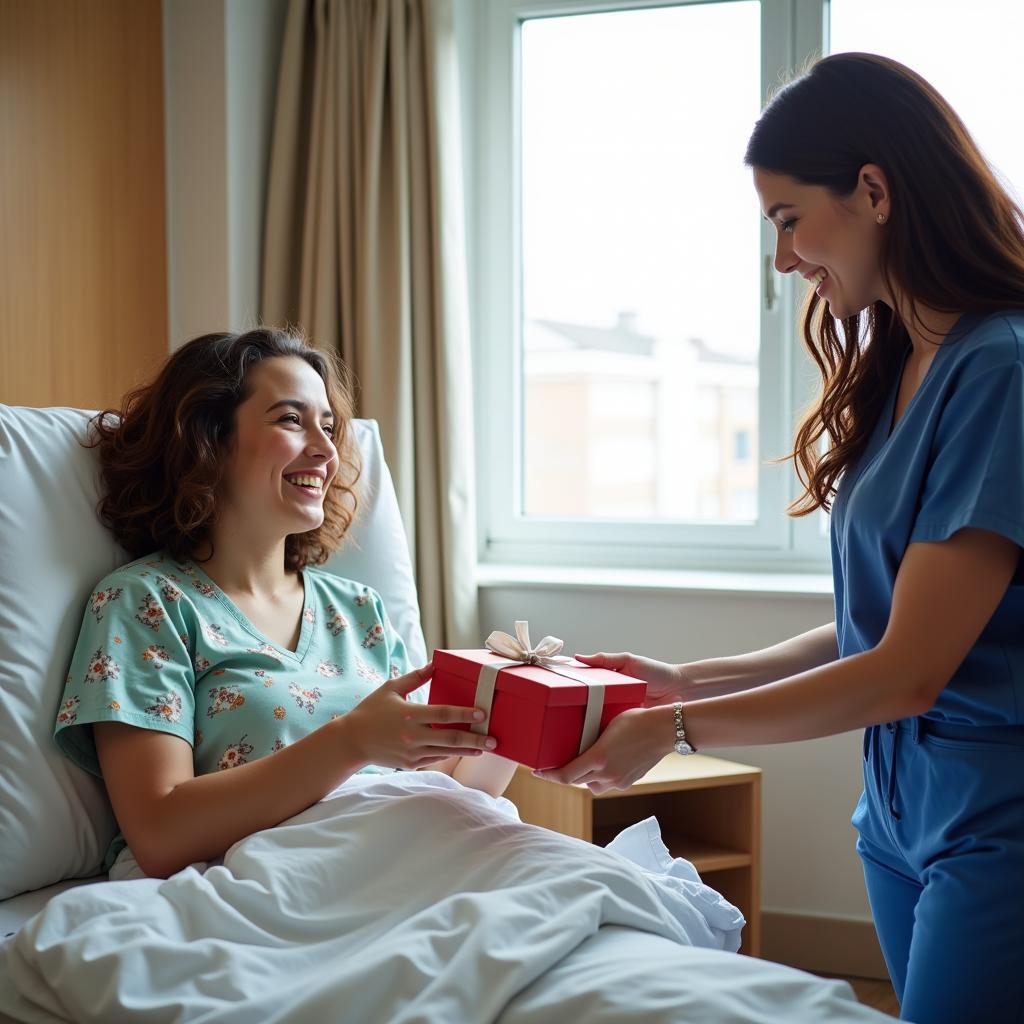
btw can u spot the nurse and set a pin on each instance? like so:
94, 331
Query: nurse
882, 201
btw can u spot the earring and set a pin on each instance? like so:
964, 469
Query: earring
881, 218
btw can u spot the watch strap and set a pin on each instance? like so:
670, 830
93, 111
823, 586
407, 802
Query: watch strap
681, 740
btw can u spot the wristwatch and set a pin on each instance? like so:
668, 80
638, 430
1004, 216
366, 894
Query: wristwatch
681, 746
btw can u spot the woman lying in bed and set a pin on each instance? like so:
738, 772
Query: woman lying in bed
229, 478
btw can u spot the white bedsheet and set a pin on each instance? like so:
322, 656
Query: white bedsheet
621, 976
16, 910
399, 898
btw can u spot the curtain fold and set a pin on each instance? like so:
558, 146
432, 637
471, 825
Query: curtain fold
364, 249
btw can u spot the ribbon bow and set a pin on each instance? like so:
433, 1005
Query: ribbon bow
518, 647
519, 651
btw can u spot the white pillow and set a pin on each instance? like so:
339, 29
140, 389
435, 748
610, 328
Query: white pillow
55, 820
376, 551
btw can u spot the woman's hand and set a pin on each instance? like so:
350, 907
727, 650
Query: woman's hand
634, 742
386, 729
665, 683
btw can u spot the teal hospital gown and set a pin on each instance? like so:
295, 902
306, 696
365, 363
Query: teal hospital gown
162, 647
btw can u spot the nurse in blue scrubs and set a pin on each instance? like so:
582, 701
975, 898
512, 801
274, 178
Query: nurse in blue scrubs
883, 203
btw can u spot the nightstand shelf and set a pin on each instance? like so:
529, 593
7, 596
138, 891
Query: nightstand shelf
705, 856
709, 811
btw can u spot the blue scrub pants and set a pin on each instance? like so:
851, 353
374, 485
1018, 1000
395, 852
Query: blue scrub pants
941, 825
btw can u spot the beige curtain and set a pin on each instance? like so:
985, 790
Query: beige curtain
364, 249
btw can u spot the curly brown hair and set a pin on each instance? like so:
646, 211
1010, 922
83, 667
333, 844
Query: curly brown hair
161, 454
954, 242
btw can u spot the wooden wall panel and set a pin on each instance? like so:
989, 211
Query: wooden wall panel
83, 288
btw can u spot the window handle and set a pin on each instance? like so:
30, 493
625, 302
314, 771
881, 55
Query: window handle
770, 294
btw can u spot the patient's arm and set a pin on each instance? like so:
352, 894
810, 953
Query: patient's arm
171, 817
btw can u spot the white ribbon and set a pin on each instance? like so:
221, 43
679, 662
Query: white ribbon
518, 651
518, 647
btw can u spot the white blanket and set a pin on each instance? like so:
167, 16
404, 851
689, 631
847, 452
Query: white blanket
399, 898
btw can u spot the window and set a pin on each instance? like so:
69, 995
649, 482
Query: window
634, 382
969, 52
639, 269
741, 445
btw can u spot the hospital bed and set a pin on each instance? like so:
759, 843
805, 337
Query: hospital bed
403, 897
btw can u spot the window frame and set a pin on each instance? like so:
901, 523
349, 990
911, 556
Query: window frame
791, 32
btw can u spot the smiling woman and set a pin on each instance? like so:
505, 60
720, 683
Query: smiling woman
871, 177
229, 478
163, 458
879, 195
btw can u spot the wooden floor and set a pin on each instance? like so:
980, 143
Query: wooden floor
874, 993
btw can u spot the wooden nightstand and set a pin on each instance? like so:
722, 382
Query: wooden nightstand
709, 811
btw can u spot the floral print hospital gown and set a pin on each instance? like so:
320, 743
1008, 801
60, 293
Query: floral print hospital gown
162, 647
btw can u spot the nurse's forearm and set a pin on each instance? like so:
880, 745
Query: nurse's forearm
719, 676
861, 690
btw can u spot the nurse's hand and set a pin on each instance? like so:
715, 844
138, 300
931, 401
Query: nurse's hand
634, 742
665, 683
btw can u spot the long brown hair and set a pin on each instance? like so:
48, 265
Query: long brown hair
954, 241
162, 455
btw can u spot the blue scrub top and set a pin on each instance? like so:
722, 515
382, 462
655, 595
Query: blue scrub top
955, 459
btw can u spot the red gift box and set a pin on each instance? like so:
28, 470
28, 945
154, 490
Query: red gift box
537, 716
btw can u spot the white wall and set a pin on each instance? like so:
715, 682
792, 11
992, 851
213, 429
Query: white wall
254, 34
220, 76
195, 109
